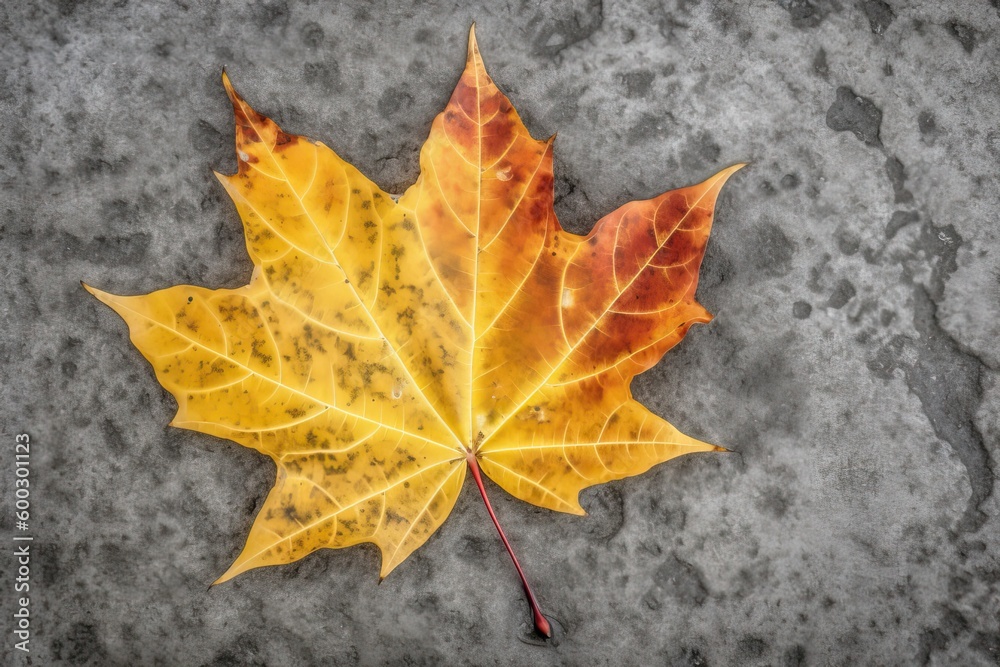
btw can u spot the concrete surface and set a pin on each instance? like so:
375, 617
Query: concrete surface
853, 364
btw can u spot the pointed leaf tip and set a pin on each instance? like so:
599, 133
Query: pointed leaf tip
473, 44
715, 183
474, 59
241, 110
244, 112
729, 171
100, 295
228, 85
227, 575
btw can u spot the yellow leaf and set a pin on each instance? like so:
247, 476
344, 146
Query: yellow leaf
383, 348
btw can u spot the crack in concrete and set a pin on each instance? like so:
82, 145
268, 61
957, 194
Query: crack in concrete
948, 382
946, 376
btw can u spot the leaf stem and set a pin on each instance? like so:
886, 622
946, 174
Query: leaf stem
541, 623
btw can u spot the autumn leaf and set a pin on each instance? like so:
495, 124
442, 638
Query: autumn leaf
385, 347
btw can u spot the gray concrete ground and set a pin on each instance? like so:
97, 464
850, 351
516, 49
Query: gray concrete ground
854, 273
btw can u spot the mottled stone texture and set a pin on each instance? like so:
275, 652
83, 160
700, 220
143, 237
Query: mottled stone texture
853, 365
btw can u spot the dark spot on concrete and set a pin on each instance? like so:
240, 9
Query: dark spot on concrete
395, 101
66, 7
993, 143
879, 14
768, 188
558, 31
750, 648
899, 220
668, 513
700, 152
768, 380
848, 242
51, 571
820, 65
670, 25
843, 292
417, 68
475, 549
801, 310
115, 560
716, 268
775, 500
427, 603
637, 83
790, 181
730, 19
270, 15
795, 656
204, 137
93, 166
650, 127
163, 49
927, 123
770, 253
113, 437
805, 13
558, 115
311, 34
988, 644
80, 646
896, 172
243, 652
851, 112
101, 250
605, 512
966, 35
931, 641
678, 579
326, 74
122, 212
688, 656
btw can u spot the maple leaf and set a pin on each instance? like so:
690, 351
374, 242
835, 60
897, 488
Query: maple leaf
385, 347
